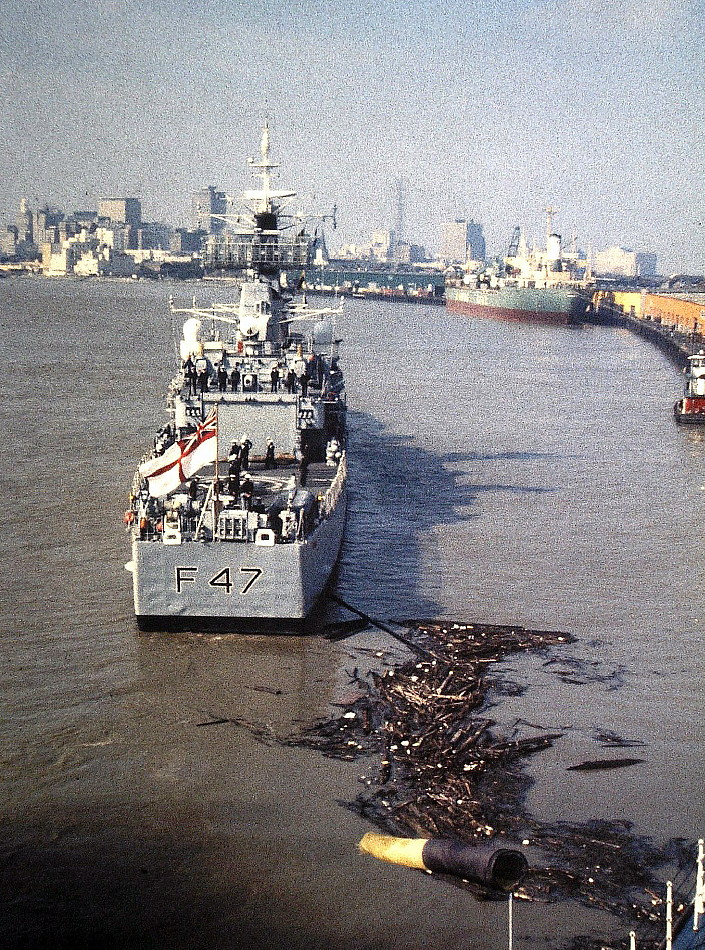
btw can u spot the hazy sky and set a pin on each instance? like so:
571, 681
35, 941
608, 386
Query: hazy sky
487, 109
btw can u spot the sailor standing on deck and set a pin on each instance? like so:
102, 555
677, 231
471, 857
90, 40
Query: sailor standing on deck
235, 378
202, 372
222, 378
303, 464
275, 378
246, 490
245, 447
269, 460
189, 368
201, 365
234, 477
312, 369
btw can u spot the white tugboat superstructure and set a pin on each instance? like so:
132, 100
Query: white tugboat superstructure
238, 512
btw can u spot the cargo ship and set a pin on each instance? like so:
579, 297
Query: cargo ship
236, 515
691, 408
548, 285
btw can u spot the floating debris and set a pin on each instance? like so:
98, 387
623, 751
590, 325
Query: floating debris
611, 740
603, 764
444, 770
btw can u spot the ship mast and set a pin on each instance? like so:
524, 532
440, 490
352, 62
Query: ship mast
266, 197
550, 212
267, 166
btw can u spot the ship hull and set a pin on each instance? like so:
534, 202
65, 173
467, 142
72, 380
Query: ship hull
230, 584
690, 410
520, 304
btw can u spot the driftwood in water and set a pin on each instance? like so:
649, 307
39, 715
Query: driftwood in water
593, 764
438, 754
438, 767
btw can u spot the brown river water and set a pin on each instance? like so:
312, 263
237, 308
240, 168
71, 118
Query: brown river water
499, 473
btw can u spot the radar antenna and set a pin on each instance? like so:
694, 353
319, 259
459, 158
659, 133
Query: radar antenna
550, 212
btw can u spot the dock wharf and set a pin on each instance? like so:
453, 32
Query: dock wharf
672, 320
677, 344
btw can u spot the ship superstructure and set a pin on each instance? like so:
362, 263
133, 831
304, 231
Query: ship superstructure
237, 514
536, 284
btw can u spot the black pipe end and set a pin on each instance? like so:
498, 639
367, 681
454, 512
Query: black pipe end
500, 869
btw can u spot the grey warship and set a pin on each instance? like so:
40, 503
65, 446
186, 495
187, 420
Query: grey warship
237, 514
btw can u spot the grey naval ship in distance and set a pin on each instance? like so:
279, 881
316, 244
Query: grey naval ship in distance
237, 514
548, 285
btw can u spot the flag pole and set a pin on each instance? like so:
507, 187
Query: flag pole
216, 481
216, 452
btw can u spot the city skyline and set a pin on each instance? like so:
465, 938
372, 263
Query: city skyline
461, 240
489, 111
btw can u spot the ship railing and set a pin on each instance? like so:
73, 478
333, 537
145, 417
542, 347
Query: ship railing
148, 530
331, 497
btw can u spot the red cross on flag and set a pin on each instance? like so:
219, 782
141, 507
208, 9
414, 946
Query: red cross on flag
182, 459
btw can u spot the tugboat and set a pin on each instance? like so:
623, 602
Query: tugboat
237, 513
691, 408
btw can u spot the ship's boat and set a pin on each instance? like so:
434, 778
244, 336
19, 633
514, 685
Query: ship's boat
548, 285
691, 408
237, 513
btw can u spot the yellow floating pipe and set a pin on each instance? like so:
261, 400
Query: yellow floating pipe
405, 851
496, 868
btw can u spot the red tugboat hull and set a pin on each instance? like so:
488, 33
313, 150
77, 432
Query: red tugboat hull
690, 409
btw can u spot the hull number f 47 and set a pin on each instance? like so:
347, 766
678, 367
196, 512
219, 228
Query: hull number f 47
223, 580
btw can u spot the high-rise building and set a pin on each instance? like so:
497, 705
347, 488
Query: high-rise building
400, 222
45, 221
405, 253
616, 262
8, 242
646, 264
153, 236
185, 242
382, 243
476, 242
462, 241
121, 210
24, 223
85, 218
208, 208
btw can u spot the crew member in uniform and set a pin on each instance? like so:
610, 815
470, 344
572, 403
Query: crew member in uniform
269, 460
202, 371
247, 490
190, 376
303, 464
234, 477
245, 447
